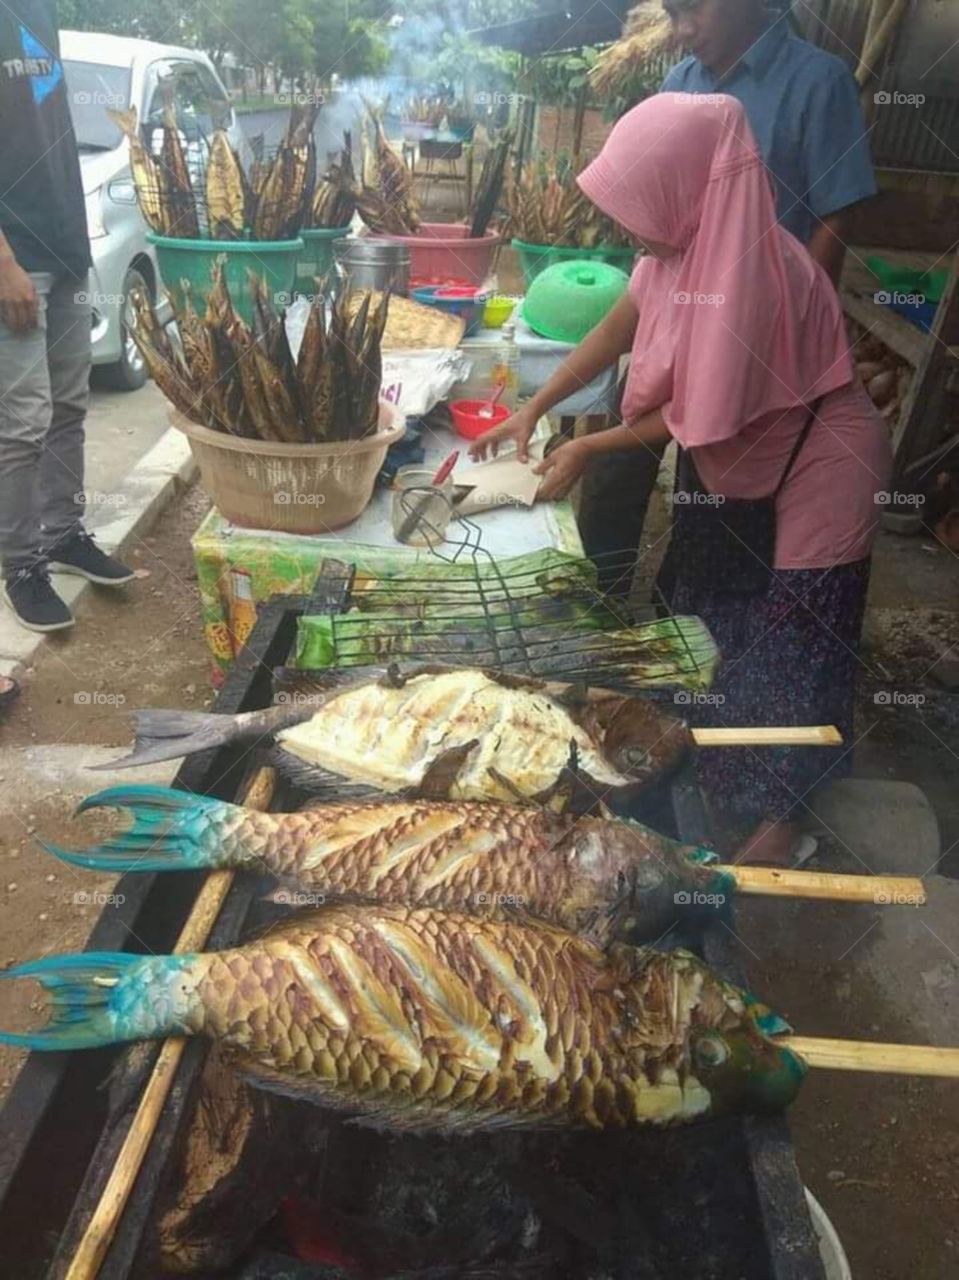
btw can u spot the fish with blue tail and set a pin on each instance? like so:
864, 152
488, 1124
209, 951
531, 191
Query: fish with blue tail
602, 877
429, 1020
441, 733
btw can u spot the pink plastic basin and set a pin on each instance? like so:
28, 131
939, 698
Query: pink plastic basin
443, 250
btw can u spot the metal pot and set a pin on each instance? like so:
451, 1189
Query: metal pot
370, 263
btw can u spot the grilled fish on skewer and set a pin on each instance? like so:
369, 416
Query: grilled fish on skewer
181, 201
439, 732
226, 191
598, 876
147, 177
421, 1019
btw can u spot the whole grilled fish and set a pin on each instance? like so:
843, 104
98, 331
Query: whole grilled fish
147, 176
440, 732
422, 1019
596, 876
226, 194
178, 189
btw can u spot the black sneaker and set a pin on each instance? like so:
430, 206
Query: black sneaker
77, 553
34, 602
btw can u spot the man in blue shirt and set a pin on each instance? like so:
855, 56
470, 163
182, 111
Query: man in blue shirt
802, 104
803, 107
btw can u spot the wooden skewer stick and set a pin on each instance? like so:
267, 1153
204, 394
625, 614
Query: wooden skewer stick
869, 1055
812, 735
780, 882
93, 1246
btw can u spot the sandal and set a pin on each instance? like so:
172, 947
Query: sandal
9, 691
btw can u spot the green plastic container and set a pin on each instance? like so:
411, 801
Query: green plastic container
192, 260
316, 260
535, 258
567, 300
895, 278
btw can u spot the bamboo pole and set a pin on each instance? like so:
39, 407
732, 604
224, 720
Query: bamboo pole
812, 735
870, 1055
781, 882
95, 1242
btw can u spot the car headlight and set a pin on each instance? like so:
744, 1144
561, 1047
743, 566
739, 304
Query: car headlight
94, 206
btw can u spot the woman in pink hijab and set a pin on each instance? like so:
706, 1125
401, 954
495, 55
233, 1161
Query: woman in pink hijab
738, 352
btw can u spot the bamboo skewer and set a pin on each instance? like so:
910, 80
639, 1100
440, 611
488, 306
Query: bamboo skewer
781, 882
812, 735
95, 1242
871, 1055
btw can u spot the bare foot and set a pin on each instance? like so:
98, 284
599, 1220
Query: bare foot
8, 690
770, 845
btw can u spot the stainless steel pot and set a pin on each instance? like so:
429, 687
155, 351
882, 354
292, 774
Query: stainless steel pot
369, 263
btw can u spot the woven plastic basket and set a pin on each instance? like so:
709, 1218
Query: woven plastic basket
293, 488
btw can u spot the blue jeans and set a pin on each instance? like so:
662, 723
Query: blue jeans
44, 376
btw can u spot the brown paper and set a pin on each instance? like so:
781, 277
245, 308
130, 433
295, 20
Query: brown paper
500, 482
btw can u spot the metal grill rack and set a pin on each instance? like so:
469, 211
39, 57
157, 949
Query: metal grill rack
549, 620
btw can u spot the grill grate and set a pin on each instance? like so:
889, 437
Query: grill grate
539, 615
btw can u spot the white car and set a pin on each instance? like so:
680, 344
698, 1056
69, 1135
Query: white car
104, 71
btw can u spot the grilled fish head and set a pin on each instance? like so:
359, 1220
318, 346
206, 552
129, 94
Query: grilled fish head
728, 1042
637, 739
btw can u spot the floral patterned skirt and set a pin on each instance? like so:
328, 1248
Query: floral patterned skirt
789, 657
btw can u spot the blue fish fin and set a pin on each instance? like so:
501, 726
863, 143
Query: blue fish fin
82, 995
172, 831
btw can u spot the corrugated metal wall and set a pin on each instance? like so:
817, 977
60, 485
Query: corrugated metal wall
925, 61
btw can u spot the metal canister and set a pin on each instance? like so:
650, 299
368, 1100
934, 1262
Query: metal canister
370, 263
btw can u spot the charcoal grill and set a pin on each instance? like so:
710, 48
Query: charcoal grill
721, 1201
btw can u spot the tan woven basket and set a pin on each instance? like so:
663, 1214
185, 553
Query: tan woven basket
293, 488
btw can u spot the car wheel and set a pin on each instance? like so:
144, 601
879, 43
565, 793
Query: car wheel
129, 373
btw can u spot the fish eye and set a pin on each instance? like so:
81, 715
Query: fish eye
635, 755
711, 1051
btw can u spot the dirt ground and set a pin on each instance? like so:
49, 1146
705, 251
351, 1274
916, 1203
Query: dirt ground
879, 1152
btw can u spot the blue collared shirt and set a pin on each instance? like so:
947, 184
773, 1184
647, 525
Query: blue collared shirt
803, 106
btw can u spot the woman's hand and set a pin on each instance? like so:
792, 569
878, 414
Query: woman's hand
561, 469
519, 427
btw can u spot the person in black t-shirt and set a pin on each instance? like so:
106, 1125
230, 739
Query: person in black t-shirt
45, 318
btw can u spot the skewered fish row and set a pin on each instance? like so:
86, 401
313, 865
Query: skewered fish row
422, 1019
385, 199
334, 201
441, 733
547, 207
607, 878
243, 380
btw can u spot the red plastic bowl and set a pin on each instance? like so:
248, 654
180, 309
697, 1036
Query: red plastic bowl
467, 421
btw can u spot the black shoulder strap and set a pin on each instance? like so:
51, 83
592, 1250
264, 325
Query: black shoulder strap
797, 447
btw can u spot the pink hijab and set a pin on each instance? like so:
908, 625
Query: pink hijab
740, 322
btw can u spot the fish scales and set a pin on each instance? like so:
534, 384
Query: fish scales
596, 875
427, 1019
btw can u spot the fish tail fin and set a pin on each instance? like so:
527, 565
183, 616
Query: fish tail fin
90, 1001
165, 735
172, 831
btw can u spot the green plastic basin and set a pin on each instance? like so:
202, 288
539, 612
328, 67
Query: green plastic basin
316, 260
192, 260
567, 300
535, 258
